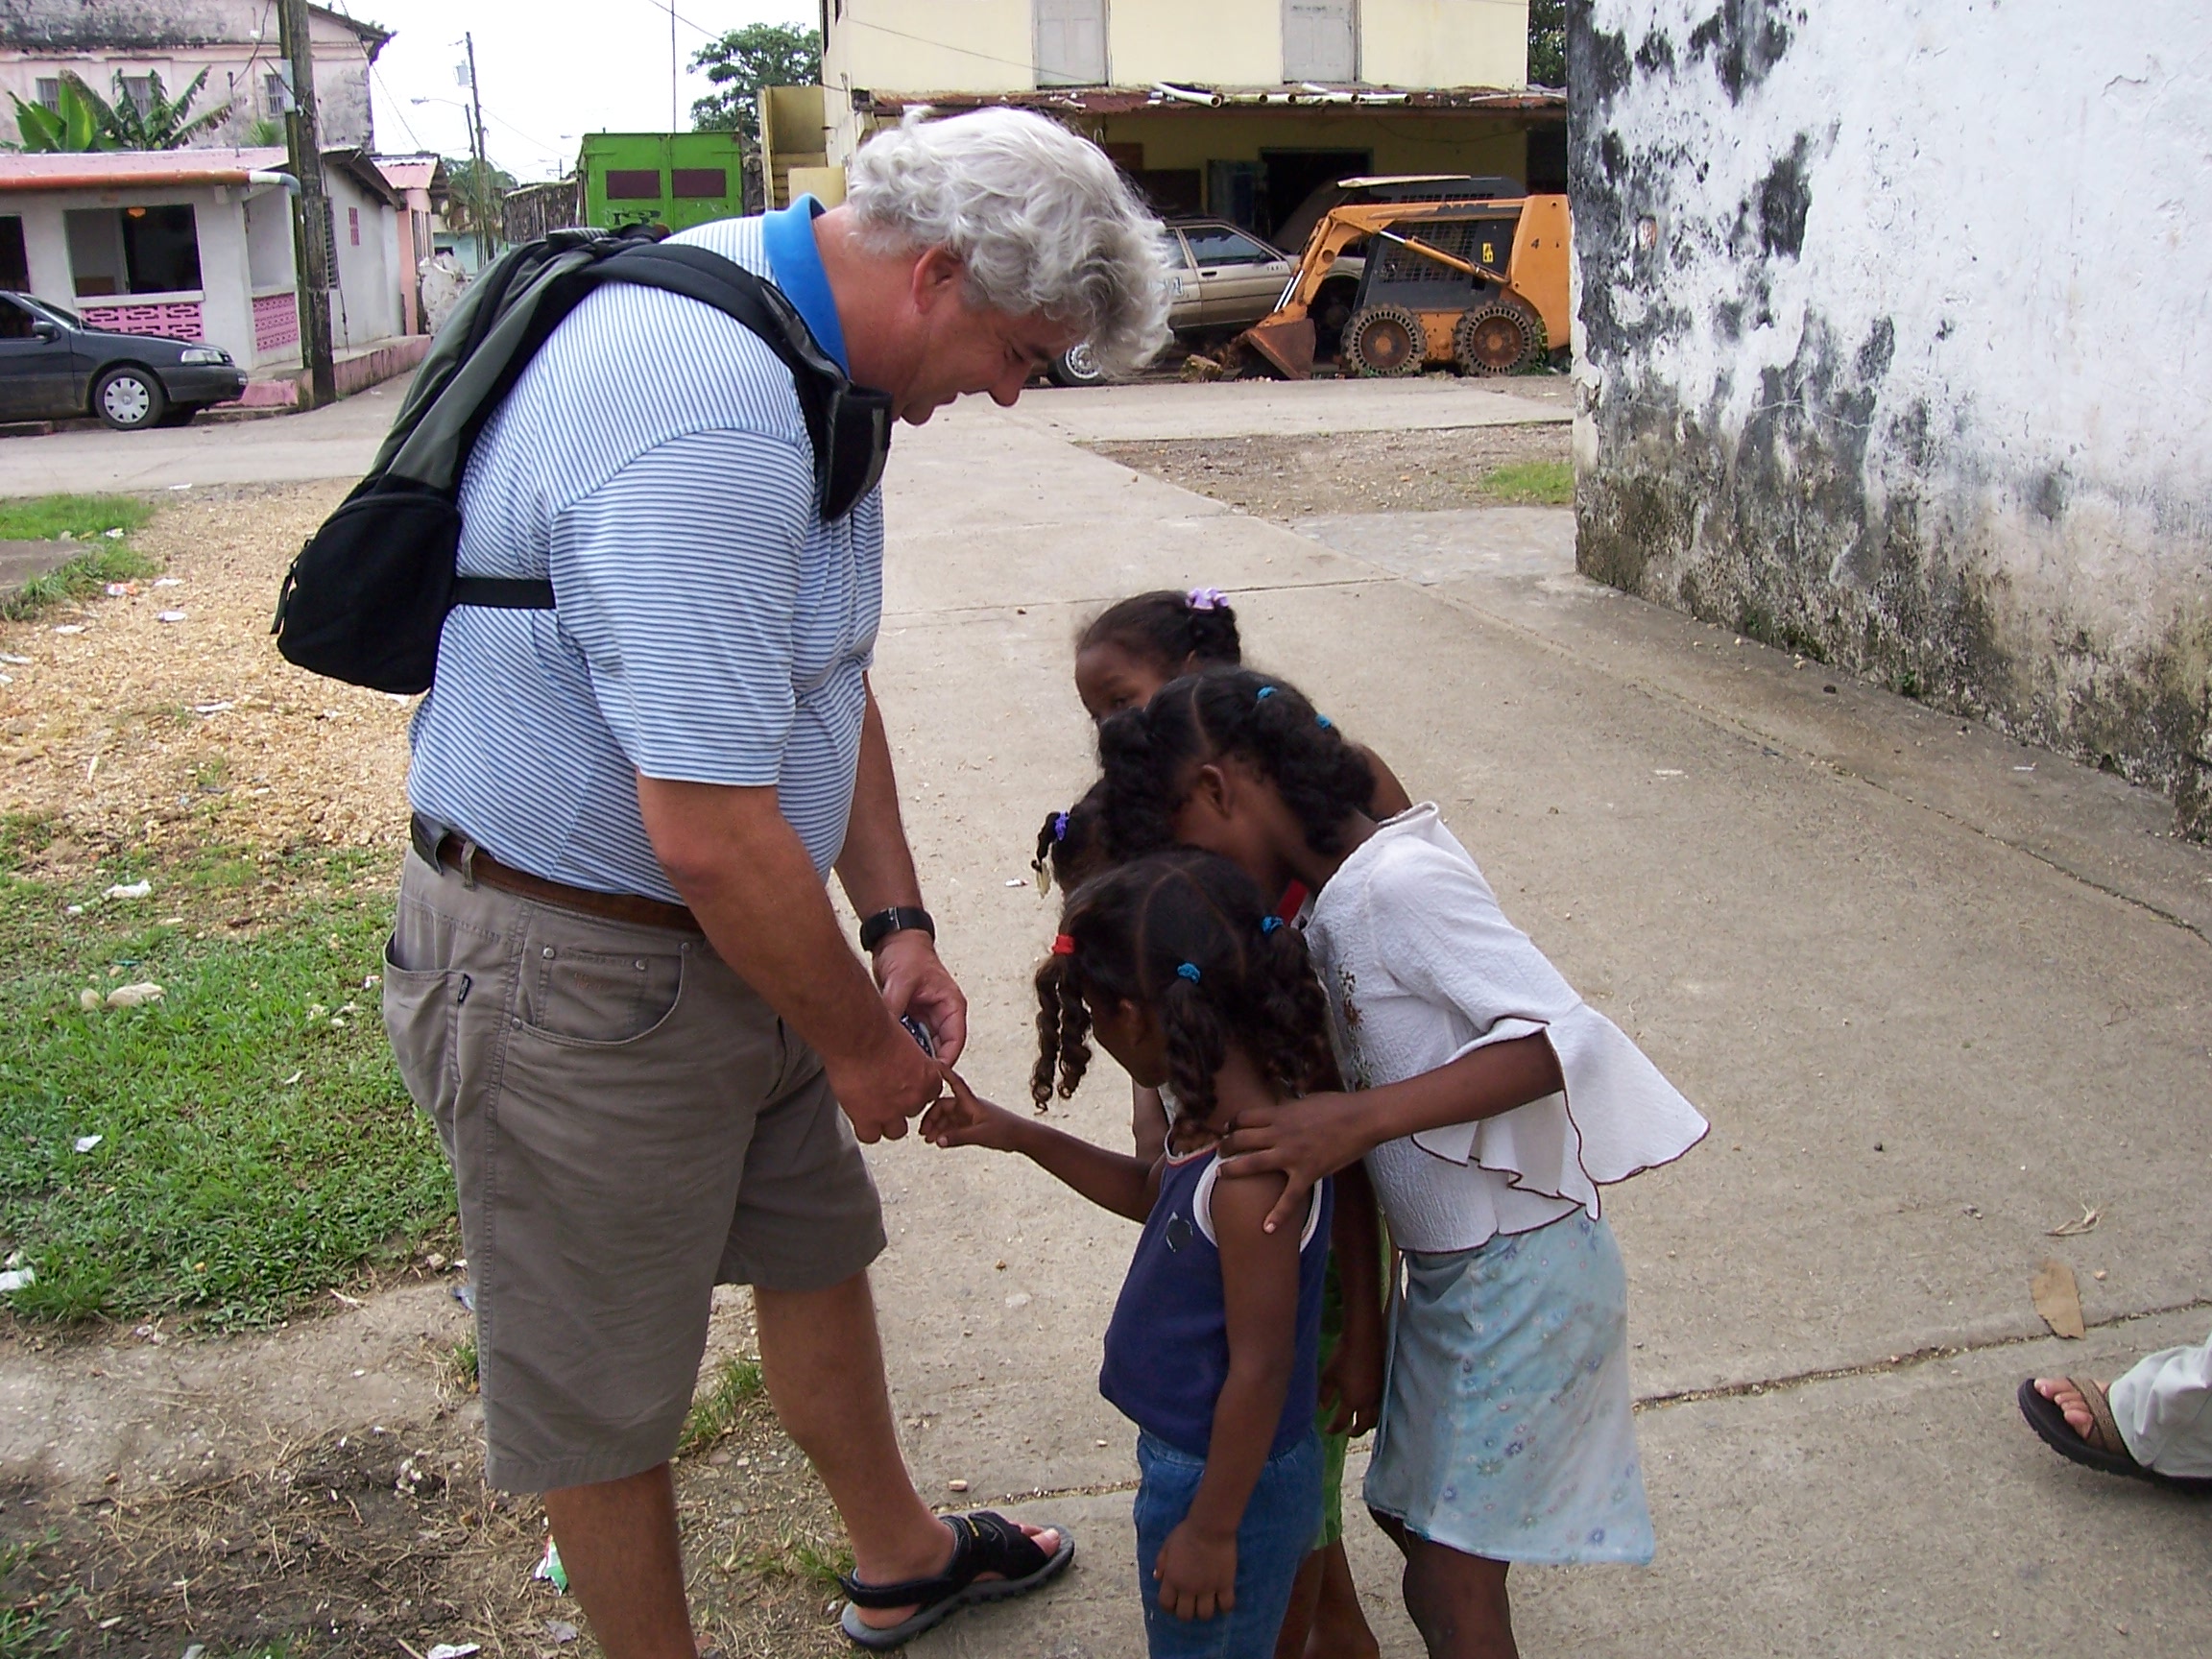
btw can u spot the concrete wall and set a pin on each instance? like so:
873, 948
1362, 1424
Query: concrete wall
1894, 340
1401, 140
365, 306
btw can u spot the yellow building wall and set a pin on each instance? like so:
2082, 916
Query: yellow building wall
1444, 42
931, 46
1213, 42
1402, 141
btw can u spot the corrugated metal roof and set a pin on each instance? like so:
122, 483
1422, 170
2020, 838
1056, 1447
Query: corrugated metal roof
123, 169
408, 172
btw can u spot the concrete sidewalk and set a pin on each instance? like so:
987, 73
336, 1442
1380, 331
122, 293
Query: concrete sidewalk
1937, 993
1277, 408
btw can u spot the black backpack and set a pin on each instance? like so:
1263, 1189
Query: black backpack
366, 599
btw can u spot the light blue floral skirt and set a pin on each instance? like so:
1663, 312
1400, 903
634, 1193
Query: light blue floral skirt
1506, 1430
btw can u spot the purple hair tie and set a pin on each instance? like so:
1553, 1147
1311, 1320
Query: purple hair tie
1206, 598
1059, 826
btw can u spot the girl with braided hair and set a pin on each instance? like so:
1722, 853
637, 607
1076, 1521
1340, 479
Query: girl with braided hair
1489, 1103
1174, 966
1137, 645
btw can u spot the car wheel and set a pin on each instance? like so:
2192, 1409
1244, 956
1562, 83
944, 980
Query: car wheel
1386, 340
1076, 366
128, 398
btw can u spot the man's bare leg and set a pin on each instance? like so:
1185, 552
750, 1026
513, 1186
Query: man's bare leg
822, 1362
625, 1567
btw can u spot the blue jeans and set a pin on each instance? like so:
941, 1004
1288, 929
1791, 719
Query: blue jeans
1280, 1520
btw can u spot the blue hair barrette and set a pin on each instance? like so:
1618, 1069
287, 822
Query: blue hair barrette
1188, 971
1268, 924
1264, 693
1059, 826
1323, 721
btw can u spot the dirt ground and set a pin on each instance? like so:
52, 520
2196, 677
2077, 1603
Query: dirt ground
1345, 471
124, 730
320, 1487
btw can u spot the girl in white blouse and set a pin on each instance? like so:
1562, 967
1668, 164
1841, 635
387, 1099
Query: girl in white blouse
1490, 1103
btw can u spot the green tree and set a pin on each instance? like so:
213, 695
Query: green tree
1547, 42
742, 62
72, 125
161, 122
473, 202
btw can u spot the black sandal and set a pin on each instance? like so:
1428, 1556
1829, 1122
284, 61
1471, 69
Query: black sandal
2102, 1449
983, 1542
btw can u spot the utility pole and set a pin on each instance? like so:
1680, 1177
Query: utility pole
483, 168
311, 237
671, 65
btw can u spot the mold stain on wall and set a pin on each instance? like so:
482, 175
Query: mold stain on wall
1764, 447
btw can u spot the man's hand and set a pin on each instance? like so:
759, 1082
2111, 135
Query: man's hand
1197, 1571
881, 1090
914, 981
1305, 1140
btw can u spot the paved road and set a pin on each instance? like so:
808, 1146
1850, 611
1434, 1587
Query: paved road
1936, 991
337, 442
1237, 408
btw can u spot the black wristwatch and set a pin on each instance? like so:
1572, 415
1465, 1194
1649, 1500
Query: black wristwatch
897, 919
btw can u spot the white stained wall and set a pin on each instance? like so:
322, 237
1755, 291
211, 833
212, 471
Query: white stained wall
1896, 332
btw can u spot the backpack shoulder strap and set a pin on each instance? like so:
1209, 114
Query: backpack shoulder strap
697, 273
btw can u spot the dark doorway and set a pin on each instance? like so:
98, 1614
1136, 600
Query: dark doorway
1547, 161
14, 261
1291, 176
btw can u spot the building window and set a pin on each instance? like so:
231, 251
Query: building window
139, 89
15, 260
1320, 42
133, 250
353, 225
700, 183
1071, 42
633, 185
50, 91
276, 94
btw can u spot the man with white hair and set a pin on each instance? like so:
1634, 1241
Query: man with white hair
616, 980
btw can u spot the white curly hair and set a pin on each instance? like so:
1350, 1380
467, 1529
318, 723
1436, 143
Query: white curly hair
1036, 215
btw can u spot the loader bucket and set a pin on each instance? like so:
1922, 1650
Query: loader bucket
1288, 343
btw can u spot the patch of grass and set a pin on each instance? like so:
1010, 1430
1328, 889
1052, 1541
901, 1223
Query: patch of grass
87, 519
24, 834
81, 578
26, 1629
1533, 483
714, 1411
460, 1363
44, 517
256, 1146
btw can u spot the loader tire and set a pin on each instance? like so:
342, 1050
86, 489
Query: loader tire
1497, 338
1383, 340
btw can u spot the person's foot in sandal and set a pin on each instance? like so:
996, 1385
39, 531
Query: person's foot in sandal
2075, 1419
993, 1559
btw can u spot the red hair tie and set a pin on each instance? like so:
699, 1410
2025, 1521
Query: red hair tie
1063, 945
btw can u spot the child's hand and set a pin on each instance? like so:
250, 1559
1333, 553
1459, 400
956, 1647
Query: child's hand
1197, 1573
1304, 1139
965, 1118
1351, 1382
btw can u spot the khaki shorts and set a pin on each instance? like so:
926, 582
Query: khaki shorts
629, 1126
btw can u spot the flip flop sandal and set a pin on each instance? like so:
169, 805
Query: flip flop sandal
982, 1542
2102, 1449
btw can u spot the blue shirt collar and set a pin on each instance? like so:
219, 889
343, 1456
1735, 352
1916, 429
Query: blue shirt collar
796, 264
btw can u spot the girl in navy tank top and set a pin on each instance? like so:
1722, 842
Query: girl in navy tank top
1175, 966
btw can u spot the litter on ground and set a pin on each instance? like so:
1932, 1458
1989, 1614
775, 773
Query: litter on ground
86, 1142
16, 1279
130, 890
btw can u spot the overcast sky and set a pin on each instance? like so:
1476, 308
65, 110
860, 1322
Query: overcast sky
549, 70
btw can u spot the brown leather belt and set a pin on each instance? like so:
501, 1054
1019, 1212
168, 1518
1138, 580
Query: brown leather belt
472, 863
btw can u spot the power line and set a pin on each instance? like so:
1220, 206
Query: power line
393, 103
941, 46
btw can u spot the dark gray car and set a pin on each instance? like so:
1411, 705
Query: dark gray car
53, 366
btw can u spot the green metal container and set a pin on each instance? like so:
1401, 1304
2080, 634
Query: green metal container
673, 179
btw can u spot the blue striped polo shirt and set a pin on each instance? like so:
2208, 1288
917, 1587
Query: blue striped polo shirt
712, 629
